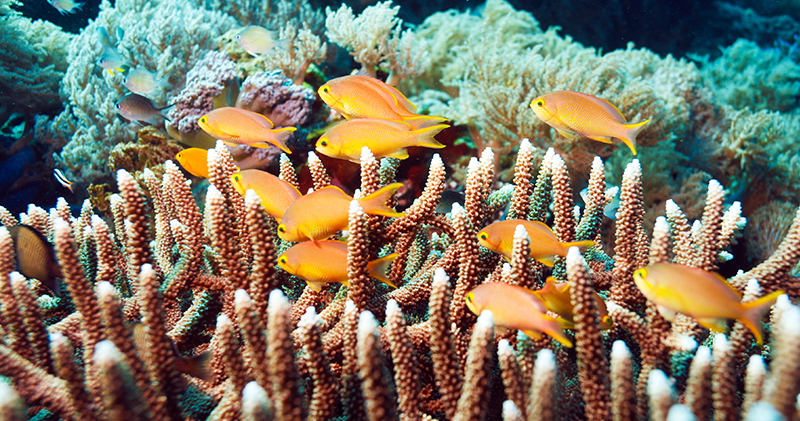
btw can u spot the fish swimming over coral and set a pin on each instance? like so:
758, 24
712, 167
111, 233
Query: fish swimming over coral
194, 161
574, 113
359, 96
141, 109
276, 195
499, 238
110, 59
66, 6
143, 82
36, 257
383, 137
258, 40
235, 127
62, 179
515, 307
703, 295
197, 366
322, 262
610, 210
556, 297
322, 213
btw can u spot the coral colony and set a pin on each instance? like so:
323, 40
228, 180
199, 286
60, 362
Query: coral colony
380, 273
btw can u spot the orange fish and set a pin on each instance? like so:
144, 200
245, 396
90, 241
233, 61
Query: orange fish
383, 137
573, 113
320, 214
556, 298
194, 161
499, 238
703, 295
276, 195
359, 96
322, 262
515, 307
236, 126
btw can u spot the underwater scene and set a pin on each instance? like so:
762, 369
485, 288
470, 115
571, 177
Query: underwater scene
400, 210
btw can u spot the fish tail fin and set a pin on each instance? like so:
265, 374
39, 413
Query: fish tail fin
281, 136
631, 131
198, 366
378, 268
548, 261
556, 331
754, 311
165, 111
581, 245
424, 136
284, 44
375, 203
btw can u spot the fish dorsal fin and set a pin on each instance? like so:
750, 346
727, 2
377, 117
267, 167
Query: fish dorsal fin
330, 192
725, 281
399, 99
607, 106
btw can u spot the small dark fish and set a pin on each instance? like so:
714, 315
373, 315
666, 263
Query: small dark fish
36, 257
198, 366
448, 198
136, 107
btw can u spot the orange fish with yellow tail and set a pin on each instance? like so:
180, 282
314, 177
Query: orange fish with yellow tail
499, 238
322, 262
322, 213
705, 296
574, 113
556, 297
235, 126
194, 161
276, 195
515, 307
359, 96
383, 137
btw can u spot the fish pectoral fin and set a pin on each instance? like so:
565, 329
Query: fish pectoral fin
231, 144
568, 135
604, 139
533, 334
716, 325
401, 153
667, 313
315, 285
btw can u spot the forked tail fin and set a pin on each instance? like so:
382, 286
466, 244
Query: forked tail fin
375, 203
754, 311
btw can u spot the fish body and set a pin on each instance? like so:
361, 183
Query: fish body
556, 297
194, 160
322, 213
36, 257
235, 126
276, 195
110, 59
65, 6
383, 137
257, 40
703, 295
196, 366
574, 113
322, 262
143, 82
136, 107
515, 307
359, 96
499, 238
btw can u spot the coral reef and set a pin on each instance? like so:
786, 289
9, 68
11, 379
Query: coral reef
207, 281
274, 96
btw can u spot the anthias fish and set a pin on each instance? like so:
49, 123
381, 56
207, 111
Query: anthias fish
36, 257
276, 195
556, 297
322, 262
359, 96
703, 295
499, 238
320, 214
235, 126
574, 113
194, 161
514, 307
383, 137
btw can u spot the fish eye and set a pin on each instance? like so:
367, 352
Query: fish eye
325, 89
281, 228
202, 119
469, 297
282, 260
117, 106
607, 319
124, 80
483, 236
323, 142
237, 37
540, 103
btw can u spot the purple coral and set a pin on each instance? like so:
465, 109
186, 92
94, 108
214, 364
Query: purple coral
275, 96
206, 80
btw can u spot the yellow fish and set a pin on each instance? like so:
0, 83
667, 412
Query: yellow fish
235, 126
556, 298
515, 307
194, 161
574, 113
320, 214
703, 295
359, 96
499, 238
322, 262
383, 137
276, 195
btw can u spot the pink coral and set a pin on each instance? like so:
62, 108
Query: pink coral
275, 96
205, 81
